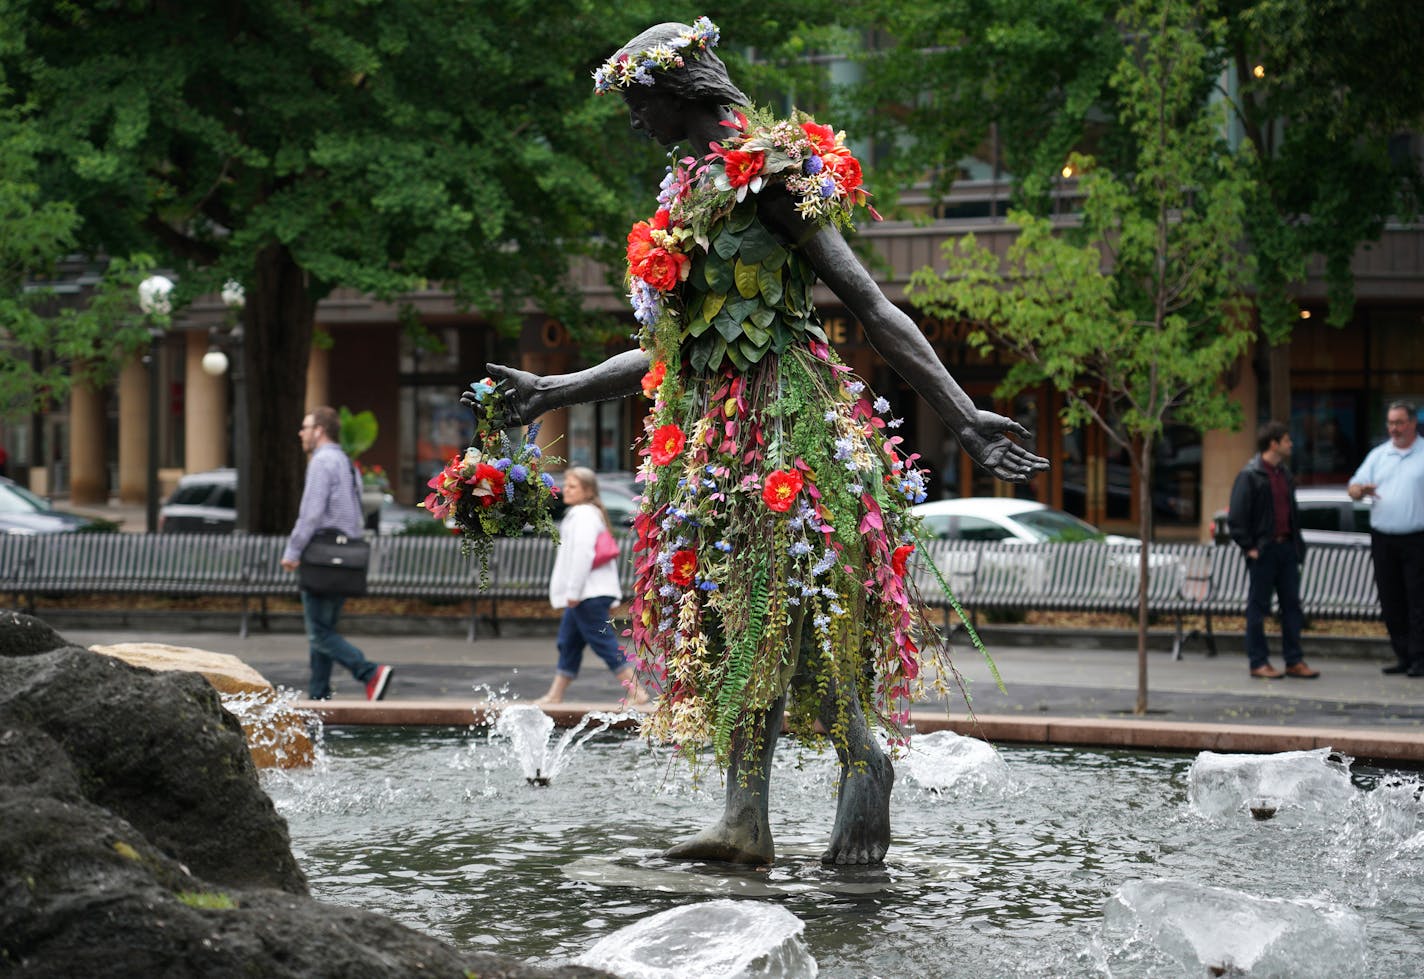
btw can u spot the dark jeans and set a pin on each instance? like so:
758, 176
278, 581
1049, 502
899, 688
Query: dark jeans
1399, 576
1274, 571
587, 623
320, 613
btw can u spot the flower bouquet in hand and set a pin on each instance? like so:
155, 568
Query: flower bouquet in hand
498, 488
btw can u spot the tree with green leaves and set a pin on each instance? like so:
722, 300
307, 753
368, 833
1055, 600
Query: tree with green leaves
49, 344
1327, 91
1135, 315
295, 148
938, 78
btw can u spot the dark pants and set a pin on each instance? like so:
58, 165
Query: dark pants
587, 624
1274, 571
320, 613
1399, 577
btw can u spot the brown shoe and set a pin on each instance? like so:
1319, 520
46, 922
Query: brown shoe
1267, 672
1301, 670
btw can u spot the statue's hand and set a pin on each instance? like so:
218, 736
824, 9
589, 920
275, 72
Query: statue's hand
987, 442
519, 393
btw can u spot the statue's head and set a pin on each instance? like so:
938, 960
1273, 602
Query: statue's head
672, 59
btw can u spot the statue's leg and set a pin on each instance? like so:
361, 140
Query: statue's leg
862, 831
743, 834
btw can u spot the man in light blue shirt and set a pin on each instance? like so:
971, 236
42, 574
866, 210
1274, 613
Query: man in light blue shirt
330, 499
1393, 474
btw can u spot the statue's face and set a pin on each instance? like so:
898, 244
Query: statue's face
656, 113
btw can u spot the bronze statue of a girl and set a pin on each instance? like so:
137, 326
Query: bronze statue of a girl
773, 537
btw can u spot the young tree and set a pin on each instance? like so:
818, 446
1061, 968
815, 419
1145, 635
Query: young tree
1136, 315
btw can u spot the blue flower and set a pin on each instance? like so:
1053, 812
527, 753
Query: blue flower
813, 165
533, 432
707, 585
854, 388
723, 546
799, 548
518, 473
547, 480
881, 405
503, 464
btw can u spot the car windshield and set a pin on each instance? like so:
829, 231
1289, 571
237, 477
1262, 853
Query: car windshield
17, 499
1057, 526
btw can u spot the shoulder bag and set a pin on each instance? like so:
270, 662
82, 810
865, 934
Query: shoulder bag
605, 549
334, 564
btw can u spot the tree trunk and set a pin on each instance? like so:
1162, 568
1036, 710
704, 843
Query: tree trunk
1144, 532
277, 332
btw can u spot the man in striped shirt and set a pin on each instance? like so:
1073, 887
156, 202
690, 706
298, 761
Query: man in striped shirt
331, 499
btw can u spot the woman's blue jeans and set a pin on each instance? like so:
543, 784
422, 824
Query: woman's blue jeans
320, 613
587, 624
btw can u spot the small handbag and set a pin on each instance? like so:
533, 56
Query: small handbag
605, 549
334, 564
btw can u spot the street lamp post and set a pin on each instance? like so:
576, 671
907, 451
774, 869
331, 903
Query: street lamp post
154, 299
216, 362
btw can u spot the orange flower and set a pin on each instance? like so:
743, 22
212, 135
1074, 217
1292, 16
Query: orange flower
640, 244
684, 568
662, 269
780, 489
898, 559
654, 379
666, 444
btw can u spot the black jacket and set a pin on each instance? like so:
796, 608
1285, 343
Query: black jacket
1251, 518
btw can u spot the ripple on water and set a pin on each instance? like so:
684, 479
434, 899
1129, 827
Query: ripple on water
436, 829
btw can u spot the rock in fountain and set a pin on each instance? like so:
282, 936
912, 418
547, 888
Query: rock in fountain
130, 810
276, 732
1298, 784
1216, 931
713, 940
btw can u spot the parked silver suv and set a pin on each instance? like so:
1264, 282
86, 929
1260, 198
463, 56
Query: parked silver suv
202, 503
1328, 518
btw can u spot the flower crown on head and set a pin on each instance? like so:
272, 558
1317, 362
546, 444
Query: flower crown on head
625, 70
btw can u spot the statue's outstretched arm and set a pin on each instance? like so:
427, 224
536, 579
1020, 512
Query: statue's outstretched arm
527, 396
895, 336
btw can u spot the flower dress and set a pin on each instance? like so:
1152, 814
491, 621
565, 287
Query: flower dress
774, 530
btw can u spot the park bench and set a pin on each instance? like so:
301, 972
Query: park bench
1186, 581
248, 566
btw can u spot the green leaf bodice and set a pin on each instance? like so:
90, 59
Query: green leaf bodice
746, 294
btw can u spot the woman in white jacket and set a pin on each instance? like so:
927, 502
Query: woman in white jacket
584, 592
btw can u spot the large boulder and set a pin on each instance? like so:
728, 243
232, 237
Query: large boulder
276, 732
135, 840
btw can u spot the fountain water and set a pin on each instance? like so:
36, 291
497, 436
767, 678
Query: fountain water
1065, 862
528, 728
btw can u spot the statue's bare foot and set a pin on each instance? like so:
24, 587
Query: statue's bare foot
741, 842
862, 831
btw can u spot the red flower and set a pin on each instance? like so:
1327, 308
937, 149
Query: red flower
780, 489
898, 559
654, 379
487, 484
743, 166
823, 138
663, 269
684, 568
661, 219
666, 444
847, 170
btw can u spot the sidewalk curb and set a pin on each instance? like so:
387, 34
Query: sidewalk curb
1394, 748
287, 623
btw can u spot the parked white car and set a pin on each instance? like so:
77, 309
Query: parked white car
1022, 523
1328, 518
